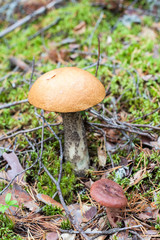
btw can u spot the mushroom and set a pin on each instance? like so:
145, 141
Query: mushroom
69, 90
109, 194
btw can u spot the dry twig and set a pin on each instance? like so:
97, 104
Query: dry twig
26, 19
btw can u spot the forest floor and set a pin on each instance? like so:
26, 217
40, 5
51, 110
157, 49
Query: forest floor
123, 132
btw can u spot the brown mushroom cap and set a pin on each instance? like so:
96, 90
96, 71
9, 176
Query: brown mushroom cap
67, 89
108, 193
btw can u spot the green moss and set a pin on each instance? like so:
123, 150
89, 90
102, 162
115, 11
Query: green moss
148, 21
65, 224
50, 210
46, 186
6, 229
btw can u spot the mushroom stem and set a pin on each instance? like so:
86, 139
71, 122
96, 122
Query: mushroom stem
75, 143
113, 216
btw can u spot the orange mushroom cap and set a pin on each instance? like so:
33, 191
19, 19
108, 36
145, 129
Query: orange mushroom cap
67, 89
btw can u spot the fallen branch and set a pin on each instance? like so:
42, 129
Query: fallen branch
115, 124
4, 137
26, 19
108, 232
95, 28
99, 56
44, 29
16, 62
135, 233
146, 115
9, 74
112, 124
8, 105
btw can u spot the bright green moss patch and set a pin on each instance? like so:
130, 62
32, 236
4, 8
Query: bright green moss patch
50, 210
6, 229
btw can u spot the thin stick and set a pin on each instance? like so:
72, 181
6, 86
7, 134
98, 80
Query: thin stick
99, 55
111, 123
55, 135
108, 232
4, 189
9, 74
25, 131
135, 233
105, 142
72, 220
26, 19
146, 115
95, 28
33, 68
44, 29
42, 139
8, 105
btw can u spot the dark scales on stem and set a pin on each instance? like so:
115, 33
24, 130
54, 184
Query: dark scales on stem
75, 147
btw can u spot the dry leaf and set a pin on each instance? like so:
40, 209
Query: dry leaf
74, 46
89, 214
100, 238
146, 140
67, 236
102, 222
147, 77
15, 165
156, 144
146, 214
48, 200
89, 183
123, 116
147, 238
152, 232
156, 26
138, 176
102, 156
130, 222
74, 56
111, 146
52, 236
112, 135
58, 56
76, 212
83, 213
148, 33
80, 28
109, 40
19, 63
31, 5
21, 196
24, 198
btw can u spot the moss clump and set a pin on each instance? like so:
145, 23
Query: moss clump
46, 186
65, 224
6, 229
50, 210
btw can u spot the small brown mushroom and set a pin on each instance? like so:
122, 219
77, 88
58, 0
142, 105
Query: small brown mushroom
109, 194
69, 90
